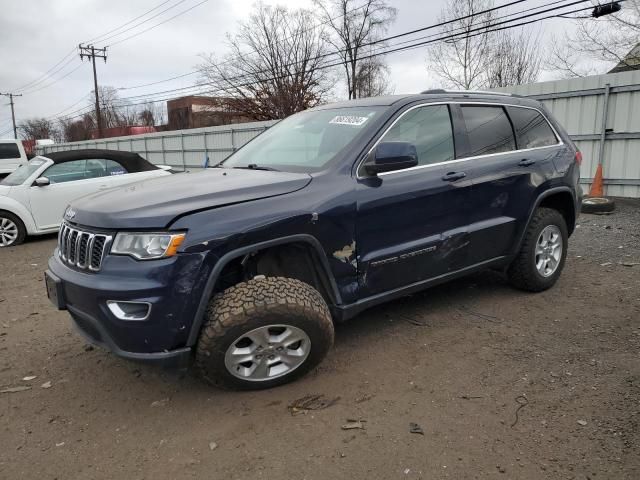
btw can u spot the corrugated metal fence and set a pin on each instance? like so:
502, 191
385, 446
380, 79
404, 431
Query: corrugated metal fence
182, 149
601, 113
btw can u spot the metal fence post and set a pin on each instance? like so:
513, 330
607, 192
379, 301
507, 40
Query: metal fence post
603, 130
184, 161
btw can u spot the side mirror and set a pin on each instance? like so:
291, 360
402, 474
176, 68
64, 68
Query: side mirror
42, 182
391, 156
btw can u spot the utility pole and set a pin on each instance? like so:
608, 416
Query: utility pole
13, 115
91, 52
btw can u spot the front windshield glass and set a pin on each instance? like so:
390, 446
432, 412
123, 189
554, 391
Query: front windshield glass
304, 142
23, 172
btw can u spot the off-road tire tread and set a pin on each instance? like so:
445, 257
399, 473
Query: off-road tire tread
241, 303
521, 272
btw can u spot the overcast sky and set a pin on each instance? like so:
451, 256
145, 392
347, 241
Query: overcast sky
36, 34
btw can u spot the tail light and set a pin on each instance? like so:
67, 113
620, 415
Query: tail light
578, 157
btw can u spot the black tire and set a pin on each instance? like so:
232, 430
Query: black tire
258, 303
598, 205
522, 272
22, 231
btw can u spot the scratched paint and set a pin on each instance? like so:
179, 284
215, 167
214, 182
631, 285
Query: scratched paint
345, 253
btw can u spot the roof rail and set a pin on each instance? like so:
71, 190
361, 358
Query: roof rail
483, 92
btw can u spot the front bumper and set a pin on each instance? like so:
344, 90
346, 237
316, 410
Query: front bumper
168, 285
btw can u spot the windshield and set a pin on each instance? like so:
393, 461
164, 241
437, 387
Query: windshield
305, 142
23, 172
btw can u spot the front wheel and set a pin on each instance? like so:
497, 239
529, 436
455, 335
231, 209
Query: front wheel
12, 231
264, 332
542, 253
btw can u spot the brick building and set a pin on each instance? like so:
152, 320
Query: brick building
196, 111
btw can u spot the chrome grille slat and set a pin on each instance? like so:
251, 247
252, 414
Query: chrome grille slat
82, 249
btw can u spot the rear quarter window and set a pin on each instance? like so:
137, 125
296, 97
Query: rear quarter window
9, 150
488, 130
532, 129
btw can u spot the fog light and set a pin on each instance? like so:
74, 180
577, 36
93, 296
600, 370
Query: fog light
129, 310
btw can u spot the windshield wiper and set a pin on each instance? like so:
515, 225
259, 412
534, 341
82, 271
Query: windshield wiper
255, 166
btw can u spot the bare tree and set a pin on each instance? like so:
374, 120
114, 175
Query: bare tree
515, 58
38, 128
462, 61
607, 39
354, 26
151, 114
272, 69
77, 130
114, 111
372, 79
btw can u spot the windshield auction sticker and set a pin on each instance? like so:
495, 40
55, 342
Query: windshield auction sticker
348, 120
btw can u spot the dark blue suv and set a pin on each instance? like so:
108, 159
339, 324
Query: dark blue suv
242, 269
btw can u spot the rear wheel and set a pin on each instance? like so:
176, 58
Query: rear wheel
542, 254
264, 332
12, 231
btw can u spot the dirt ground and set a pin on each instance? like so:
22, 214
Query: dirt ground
504, 384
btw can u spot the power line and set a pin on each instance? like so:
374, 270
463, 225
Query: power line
45, 74
394, 48
55, 81
245, 54
157, 25
127, 23
141, 23
383, 40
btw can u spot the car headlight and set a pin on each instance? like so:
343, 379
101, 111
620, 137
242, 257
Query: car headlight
147, 245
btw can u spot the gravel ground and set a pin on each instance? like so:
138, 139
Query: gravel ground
503, 384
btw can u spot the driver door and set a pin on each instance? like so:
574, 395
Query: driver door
69, 181
412, 224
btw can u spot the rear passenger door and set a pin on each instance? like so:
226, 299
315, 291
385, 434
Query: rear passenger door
512, 150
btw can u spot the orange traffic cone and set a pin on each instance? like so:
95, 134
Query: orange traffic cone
597, 185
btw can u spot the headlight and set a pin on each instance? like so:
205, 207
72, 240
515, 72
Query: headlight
147, 246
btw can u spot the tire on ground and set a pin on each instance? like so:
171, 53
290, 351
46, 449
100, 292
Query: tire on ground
522, 272
22, 231
257, 303
598, 205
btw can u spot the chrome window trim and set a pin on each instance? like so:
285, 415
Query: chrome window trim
457, 160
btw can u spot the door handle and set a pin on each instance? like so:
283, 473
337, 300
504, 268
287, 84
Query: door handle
453, 176
103, 187
525, 162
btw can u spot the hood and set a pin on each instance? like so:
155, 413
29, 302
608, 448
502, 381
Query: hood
154, 203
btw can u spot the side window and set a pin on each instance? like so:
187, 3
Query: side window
429, 129
488, 129
67, 171
532, 129
96, 168
114, 168
9, 150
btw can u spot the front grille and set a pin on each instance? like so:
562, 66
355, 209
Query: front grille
82, 249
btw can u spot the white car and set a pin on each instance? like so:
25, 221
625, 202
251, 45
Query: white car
34, 197
12, 155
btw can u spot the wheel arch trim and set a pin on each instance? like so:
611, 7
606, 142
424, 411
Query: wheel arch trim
198, 319
541, 197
